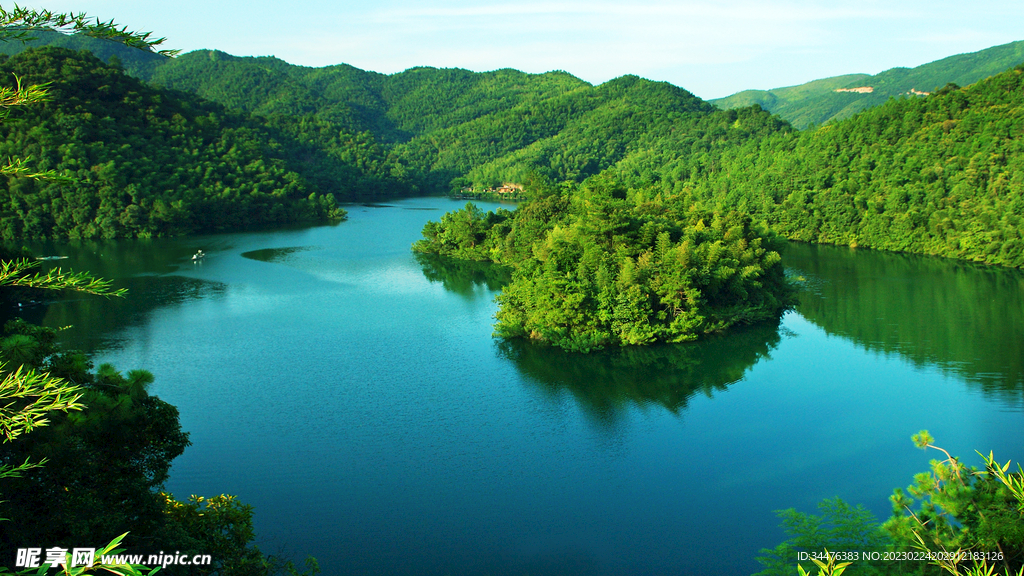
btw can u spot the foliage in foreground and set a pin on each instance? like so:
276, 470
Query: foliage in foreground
953, 519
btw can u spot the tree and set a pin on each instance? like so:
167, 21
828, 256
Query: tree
966, 522
18, 25
839, 527
27, 396
962, 509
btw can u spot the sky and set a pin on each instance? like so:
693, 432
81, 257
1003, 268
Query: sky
712, 49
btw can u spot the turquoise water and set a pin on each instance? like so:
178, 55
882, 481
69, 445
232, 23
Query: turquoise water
353, 394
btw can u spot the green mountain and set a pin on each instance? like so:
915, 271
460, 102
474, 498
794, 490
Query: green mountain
450, 128
394, 107
140, 161
830, 99
940, 175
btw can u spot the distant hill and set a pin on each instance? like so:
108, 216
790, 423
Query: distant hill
780, 97
820, 101
133, 61
395, 107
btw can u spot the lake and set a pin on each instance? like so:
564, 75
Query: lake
353, 394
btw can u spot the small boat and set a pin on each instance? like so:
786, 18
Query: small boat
198, 256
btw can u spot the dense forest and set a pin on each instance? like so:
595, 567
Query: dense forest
942, 175
595, 265
138, 161
445, 129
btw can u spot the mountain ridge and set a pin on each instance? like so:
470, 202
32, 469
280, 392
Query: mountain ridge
817, 102
362, 100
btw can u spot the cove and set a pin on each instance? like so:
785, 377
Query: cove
353, 394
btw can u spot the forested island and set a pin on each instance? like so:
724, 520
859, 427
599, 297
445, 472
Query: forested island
595, 266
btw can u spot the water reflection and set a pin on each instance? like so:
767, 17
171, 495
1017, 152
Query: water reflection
145, 267
274, 254
123, 258
466, 278
606, 382
90, 320
966, 319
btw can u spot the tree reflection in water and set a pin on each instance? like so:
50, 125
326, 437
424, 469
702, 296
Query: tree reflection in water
967, 319
606, 382
466, 278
